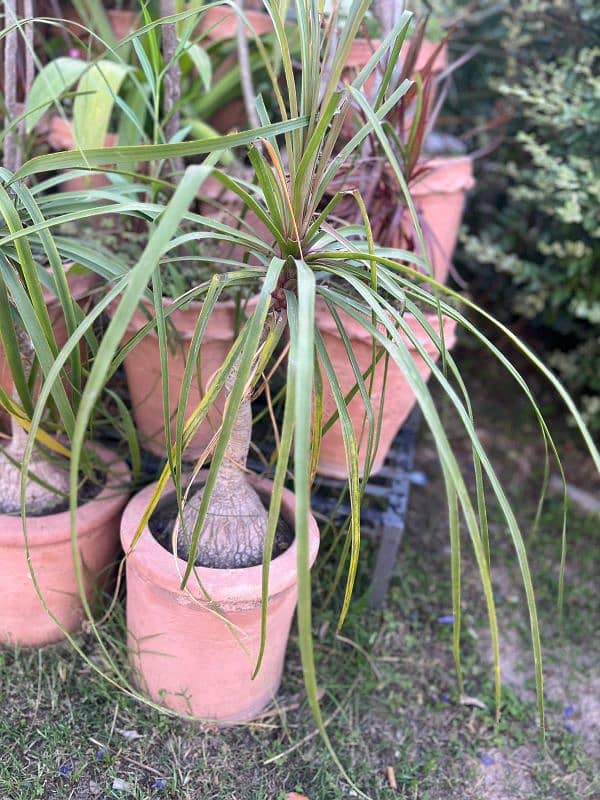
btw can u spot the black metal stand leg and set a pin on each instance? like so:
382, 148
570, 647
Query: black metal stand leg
387, 554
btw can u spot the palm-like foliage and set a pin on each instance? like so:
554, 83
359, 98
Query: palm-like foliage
309, 260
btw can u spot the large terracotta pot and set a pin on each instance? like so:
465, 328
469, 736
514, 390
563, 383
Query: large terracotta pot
144, 374
399, 398
186, 656
60, 137
23, 619
81, 287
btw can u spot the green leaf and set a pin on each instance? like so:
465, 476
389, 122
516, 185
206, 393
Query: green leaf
50, 84
124, 156
93, 105
202, 63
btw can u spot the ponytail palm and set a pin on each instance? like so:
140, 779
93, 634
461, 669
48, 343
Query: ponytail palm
309, 259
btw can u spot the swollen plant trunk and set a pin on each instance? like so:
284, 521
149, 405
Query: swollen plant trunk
233, 534
48, 481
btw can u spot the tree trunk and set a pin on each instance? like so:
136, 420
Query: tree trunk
234, 531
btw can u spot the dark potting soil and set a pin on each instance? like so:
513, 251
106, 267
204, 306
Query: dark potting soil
88, 490
162, 521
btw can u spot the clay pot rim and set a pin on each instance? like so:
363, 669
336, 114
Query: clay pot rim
363, 48
455, 171
65, 126
242, 585
326, 324
225, 28
52, 529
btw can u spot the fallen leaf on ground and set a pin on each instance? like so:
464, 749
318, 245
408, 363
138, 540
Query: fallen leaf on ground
391, 777
130, 735
472, 701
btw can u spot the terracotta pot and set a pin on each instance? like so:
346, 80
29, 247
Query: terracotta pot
60, 137
399, 398
143, 372
439, 194
81, 287
122, 24
185, 655
220, 23
23, 619
362, 50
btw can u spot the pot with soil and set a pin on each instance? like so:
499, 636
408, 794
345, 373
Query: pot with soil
24, 620
397, 401
219, 23
122, 22
195, 650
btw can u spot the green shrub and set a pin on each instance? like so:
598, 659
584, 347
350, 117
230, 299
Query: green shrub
533, 243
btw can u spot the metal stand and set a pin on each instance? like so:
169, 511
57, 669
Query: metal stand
384, 507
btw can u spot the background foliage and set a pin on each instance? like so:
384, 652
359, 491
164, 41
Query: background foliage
531, 95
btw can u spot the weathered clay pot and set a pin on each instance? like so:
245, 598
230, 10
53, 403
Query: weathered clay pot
185, 655
220, 23
439, 194
121, 21
144, 374
60, 137
23, 619
362, 50
399, 398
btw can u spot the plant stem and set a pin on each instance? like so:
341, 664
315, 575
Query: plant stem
172, 78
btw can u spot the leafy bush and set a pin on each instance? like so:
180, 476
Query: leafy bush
533, 247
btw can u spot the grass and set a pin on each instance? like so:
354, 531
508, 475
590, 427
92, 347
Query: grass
389, 690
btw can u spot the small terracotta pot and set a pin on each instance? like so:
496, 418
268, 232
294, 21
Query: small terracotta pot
185, 655
121, 21
60, 137
144, 374
439, 194
81, 286
399, 398
362, 50
23, 619
220, 23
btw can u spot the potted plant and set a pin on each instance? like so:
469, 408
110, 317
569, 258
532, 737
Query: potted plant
437, 187
310, 258
35, 520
